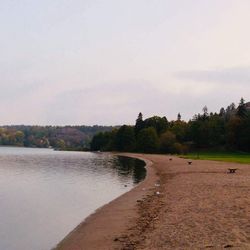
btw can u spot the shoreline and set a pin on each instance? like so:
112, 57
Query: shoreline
177, 206
124, 204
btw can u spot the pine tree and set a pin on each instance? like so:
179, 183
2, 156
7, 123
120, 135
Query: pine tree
139, 124
205, 112
241, 111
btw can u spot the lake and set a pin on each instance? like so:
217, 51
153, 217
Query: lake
44, 194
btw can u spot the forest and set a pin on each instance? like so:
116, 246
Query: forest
57, 137
227, 130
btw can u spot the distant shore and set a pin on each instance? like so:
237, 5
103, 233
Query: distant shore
177, 206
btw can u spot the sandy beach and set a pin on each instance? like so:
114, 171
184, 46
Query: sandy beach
177, 206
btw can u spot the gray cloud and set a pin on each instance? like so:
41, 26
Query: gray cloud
11, 92
78, 64
237, 75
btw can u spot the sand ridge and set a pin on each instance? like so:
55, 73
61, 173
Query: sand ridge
178, 206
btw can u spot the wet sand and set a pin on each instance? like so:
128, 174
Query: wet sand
178, 206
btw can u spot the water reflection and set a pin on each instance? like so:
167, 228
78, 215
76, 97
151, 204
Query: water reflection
44, 194
131, 167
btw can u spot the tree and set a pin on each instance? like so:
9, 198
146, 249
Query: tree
244, 135
110, 137
233, 129
230, 111
160, 124
139, 124
205, 112
242, 111
180, 129
222, 112
61, 144
167, 141
19, 137
147, 141
215, 130
98, 142
125, 139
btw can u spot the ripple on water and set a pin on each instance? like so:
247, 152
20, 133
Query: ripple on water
44, 194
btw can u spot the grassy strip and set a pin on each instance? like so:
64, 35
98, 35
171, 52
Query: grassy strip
220, 156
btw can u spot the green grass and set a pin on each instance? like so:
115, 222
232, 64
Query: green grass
238, 157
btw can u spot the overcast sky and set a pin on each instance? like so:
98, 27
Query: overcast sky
102, 62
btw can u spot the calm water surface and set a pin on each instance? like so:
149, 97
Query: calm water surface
44, 194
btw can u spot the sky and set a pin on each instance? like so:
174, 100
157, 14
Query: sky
86, 62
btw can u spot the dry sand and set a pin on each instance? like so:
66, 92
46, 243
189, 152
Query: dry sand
178, 206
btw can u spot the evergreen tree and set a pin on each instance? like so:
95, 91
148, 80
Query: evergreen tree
205, 112
139, 124
222, 112
242, 111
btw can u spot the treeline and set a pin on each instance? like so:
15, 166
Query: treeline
229, 129
58, 137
